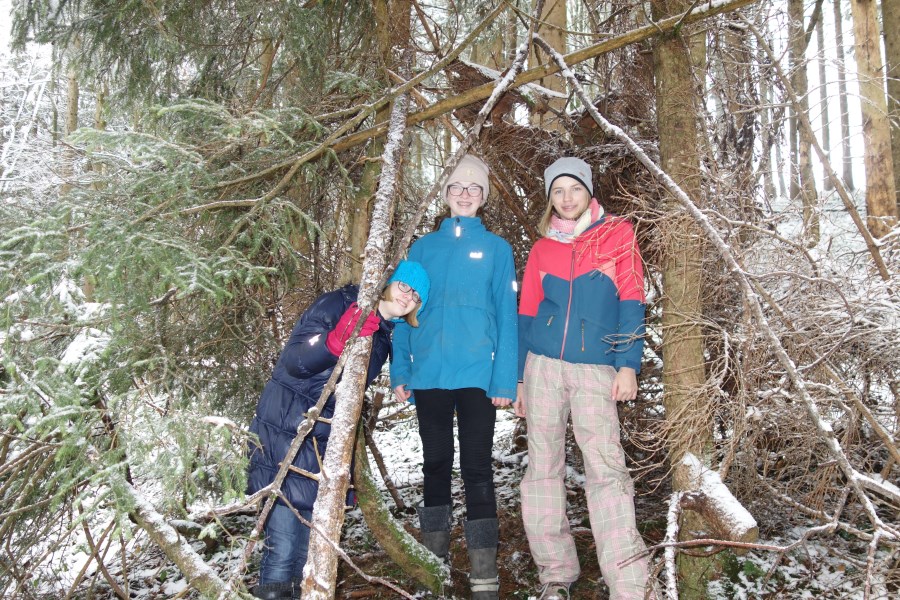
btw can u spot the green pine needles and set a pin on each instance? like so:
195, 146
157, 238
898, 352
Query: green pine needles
137, 330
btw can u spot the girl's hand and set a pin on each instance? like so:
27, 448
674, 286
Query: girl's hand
402, 393
337, 337
501, 402
624, 385
520, 400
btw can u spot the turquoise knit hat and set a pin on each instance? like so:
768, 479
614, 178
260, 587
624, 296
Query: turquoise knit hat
413, 274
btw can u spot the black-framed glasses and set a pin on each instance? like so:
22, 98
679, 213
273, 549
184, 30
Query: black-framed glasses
473, 190
406, 288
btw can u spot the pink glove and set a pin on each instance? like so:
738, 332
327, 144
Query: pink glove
337, 337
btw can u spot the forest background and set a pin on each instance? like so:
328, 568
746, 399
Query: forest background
179, 180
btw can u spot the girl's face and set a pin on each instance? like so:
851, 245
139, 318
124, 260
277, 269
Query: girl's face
464, 198
403, 300
569, 197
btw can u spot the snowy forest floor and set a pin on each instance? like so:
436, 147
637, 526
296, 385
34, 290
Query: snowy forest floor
818, 569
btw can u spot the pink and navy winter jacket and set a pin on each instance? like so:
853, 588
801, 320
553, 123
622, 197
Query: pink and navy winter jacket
583, 302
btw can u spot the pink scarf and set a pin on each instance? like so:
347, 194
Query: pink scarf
562, 225
567, 228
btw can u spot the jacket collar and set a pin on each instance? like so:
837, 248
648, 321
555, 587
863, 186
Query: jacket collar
385, 325
465, 224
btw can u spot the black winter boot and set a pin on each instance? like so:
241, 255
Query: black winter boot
273, 591
481, 539
434, 523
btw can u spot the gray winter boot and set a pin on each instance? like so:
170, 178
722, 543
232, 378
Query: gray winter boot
434, 523
481, 539
273, 591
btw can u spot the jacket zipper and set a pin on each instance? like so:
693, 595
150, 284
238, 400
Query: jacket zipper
457, 234
562, 350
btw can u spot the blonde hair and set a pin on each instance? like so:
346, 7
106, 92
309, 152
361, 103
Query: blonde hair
544, 223
411, 316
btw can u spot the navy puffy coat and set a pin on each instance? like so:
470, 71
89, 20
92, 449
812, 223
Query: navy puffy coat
302, 370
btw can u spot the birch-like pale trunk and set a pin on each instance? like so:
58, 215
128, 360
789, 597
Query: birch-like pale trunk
843, 103
320, 572
823, 95
803, 184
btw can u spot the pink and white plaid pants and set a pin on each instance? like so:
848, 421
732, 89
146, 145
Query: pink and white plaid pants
554, 389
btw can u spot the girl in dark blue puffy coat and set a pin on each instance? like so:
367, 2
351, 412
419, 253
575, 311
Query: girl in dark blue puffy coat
300, 375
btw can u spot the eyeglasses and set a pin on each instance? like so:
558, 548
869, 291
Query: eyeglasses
473, 190
406, 289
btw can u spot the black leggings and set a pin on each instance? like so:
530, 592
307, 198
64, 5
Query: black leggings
475, 419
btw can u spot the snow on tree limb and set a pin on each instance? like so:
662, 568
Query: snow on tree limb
199, 575
728, 517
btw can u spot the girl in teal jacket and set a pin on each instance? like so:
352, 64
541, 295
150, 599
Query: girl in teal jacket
461, 360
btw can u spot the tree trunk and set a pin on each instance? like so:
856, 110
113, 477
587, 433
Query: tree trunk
890, 18
67, 168
768, 128
803, 185
553, 30
684, 377
823, 96
881, 201
843, 104
266, 62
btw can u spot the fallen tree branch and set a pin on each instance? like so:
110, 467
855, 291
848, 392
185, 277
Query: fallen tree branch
328, 510
199, 575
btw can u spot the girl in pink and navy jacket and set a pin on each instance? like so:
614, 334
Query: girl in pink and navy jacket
581, 327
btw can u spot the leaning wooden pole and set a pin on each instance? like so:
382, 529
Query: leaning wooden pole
400, 546
328, 511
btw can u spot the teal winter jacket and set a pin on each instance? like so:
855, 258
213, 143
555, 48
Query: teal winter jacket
467, 334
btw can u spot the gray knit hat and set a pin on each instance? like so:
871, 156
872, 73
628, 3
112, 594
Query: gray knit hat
568, 166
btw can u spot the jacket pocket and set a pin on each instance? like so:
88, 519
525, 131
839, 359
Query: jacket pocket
595, 336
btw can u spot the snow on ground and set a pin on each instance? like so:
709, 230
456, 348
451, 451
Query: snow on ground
816, 570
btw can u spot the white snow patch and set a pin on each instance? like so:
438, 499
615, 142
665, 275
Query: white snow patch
709, 483
86, 347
